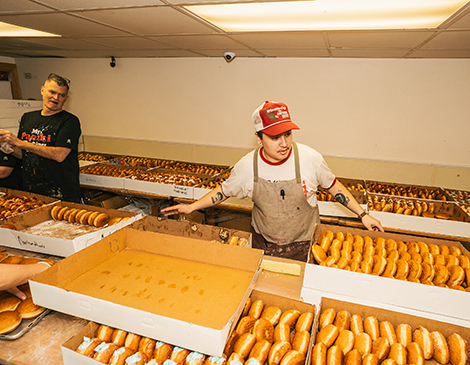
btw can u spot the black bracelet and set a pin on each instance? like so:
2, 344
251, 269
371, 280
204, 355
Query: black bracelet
360, 216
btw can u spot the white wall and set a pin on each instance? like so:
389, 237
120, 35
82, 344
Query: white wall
411, 111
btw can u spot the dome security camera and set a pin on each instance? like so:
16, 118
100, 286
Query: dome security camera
113, 62
229, 56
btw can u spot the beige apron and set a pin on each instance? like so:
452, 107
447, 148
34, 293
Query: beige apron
281, 214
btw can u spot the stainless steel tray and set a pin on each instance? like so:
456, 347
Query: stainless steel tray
25, 326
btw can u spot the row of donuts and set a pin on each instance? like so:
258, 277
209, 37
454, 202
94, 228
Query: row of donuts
419, 262
345, 339
11, 204
82, 216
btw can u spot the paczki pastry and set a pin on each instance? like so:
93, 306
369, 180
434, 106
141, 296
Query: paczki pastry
9, 321
27, 309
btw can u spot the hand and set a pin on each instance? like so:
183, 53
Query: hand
9, 137
17, 292
372, 224
177, 209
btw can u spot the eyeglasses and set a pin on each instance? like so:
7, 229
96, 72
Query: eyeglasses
61, 81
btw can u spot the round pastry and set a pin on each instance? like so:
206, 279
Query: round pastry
228, 349
389, 362
105, 333
195, 358
290, 317
334, 356
260, 351
235, 359
427, 272
415, 269
293, 358
441, 274
340, 236
423, 338
381, 348
245, 324
414, 354
79, 214
104, 351
398, 353
91, 218
88, 345
327, 316
162, 351
9, 303
72, 215
370, 359
55, 209
404, 255
132, 341
371, 327
233, 241
101, 220
263, 330
9, 321
356, 325
84, 217
282, 332
61, 212
147, 346
353, 357
404, 334
439, 259
464, 261
390, 268
363, 343
27, 309
272, 314
114, 221
178, 355
301, 341
456, 276
327, 335
386, 330
137, 358
366, 267
342, 320
67, 213
345, 341
280, 348
379, 265
441, 349
458, 351
304, 322
244, 344
394, 255
246, 308
256, 308
119, 337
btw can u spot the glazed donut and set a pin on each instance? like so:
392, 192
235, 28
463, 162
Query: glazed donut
334, 356
441, 348
356, 256
304, 322
114, 221
263, 330
379, 265
67, 213
403, 332
394, 255
423, 338
147, 346
389, 362
342, 320
390, 269
87, 347
458, 352
301, 341
366, 268
328, 335
282, 332
260, 351
403, 268
439, 259
451, 260
233, 241
100, 220
79, 214
427, 257
398, 353
441, 275
433, 249
61, 212
105, 333
456, 276
356, 325
278, 350
414, 354
104, 351
246, 308
337, 244
245, 324
345, 341
272, 314
256, 309
72, 215
325, 239
162, 351
339, 236
244, 344
353, 357
318, 354
386, 330
327, 317
464, 261
289, 317
404, 255
427, 273
84, 217
444, 250
119, 337
178, 355
415, 269
228, 349
363, 343
91, 218
381, 348
371, 327
368, 250
132, 341
416, 257
55, 209
293, 358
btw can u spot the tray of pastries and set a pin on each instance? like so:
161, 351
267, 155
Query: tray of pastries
11, 204
407, 191
111, 170
140, 161
196, 168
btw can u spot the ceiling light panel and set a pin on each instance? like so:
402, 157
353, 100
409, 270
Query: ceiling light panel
10, 30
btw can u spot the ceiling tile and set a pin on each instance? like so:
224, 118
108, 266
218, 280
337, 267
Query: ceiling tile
92, 4
67, 43
368, 53
432, 53
200, 41
450, 40
462, 23
20, 5
129, 42
295, 52
281, 39
403, 39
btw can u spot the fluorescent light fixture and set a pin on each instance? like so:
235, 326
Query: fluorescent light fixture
328, 14
10, 30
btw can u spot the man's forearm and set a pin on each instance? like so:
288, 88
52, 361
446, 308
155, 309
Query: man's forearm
53, 153
344, 196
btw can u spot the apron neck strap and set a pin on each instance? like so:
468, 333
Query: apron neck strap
296, 159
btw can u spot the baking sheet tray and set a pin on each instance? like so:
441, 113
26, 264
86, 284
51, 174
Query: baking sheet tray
24, 327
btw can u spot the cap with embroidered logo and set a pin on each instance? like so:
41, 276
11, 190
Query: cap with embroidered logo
273, 118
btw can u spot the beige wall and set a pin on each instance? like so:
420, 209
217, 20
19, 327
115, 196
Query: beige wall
390, 120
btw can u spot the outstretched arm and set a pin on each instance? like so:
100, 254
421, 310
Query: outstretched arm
13, 275
343, 196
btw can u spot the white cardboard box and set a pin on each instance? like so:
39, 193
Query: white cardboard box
155, 285
426, 298
177, 191
58, 246
335, 209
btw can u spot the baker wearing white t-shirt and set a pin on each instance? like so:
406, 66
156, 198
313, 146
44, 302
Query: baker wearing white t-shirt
281, 177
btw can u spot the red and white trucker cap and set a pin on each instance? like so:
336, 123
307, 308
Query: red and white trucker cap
273, 118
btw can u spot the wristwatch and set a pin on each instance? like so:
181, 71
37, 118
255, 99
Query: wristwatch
360, 216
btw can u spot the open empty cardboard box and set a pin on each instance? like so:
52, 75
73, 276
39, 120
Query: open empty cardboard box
182, 291
426, 298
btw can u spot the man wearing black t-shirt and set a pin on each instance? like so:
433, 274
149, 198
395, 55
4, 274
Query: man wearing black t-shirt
47, 142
